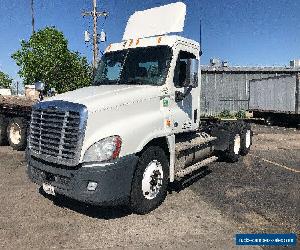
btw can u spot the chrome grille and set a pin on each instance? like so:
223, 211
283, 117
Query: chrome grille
56, 134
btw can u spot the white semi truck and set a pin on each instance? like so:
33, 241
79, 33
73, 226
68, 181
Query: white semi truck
138, 128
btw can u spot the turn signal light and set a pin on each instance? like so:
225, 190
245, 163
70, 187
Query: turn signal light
168, 123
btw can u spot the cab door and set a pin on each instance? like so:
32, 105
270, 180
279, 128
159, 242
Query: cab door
185, 113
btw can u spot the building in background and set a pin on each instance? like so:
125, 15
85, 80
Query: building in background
295, 63
17, 88
5, 92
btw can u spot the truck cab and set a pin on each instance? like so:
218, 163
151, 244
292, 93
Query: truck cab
136, 129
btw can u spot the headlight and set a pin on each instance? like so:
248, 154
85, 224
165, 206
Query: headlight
104, 150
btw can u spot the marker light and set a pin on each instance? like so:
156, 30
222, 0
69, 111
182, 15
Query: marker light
109, 47
131, 42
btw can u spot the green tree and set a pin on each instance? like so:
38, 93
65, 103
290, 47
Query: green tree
5, 80
46, 57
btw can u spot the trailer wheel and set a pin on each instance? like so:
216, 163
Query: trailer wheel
232, 154
269, 121
150, 181
3, 127
246, 141
17, 133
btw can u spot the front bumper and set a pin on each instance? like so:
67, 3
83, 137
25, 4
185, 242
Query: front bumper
114, 180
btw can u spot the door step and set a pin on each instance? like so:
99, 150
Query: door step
196, 166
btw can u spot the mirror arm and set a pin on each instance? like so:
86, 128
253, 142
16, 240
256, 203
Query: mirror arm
188, 91
179, 96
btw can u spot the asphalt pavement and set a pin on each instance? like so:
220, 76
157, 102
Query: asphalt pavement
258, 194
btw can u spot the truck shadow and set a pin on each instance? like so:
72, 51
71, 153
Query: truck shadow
92, 211
107, 213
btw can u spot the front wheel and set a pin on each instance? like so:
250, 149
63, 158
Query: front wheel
150, 181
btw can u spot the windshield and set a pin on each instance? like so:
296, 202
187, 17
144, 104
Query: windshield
147, 66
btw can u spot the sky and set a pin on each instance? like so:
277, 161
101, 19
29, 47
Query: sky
242, 32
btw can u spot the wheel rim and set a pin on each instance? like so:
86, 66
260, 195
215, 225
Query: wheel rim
152, 180
248, 138
15, 133
237, 144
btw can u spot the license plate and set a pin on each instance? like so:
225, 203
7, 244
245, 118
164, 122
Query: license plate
48, 189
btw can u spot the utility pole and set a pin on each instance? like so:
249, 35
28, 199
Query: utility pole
32, 17
95, 14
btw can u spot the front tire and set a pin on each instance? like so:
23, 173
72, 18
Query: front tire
150, 181
17, 133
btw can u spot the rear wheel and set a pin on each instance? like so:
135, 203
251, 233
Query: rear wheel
232, 154
17, 133
246, 141
3, 127
269, 121
150, 181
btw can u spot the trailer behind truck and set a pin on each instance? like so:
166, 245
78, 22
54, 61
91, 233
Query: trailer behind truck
138, 128
15, 113
276, 99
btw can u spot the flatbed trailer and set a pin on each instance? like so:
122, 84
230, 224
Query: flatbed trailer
15, 114
276, 99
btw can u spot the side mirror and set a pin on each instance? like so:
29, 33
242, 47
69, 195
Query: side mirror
192, 69
39, 86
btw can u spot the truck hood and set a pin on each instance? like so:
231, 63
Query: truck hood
108, 96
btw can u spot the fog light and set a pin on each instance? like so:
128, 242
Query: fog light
92, 186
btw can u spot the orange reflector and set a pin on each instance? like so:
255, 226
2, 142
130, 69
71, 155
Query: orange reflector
108, 48
137, 41
131, 42
168, 123
159, 40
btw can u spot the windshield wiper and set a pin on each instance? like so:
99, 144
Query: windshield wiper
134, 82
104, 82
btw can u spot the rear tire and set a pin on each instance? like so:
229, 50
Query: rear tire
150, 181
3, 127
246, 141
232, 154
269, 121
17, 133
